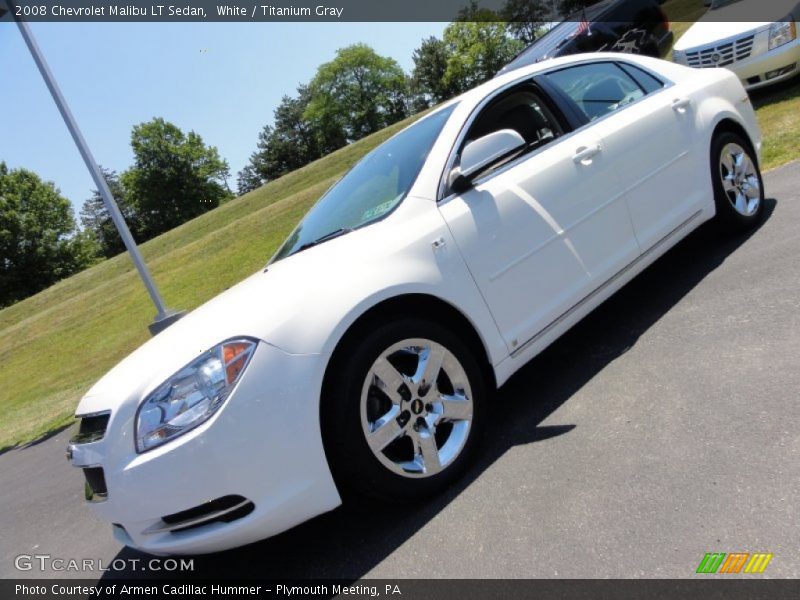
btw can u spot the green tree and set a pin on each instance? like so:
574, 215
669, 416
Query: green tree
175, 176
526, 18
248, 179
254, 174
96, 219
477, 46
291, 142
359, 92
427, 78
39, 241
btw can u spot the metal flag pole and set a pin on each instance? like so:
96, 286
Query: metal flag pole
165, 316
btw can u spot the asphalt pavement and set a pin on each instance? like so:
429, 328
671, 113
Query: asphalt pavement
664, 426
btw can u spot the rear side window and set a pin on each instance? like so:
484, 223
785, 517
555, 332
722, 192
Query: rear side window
648, 83
597, 88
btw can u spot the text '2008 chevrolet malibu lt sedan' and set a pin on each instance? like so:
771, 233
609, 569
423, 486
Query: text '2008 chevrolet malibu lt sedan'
365, 355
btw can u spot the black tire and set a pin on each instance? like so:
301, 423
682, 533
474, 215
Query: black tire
354, 464
729, 218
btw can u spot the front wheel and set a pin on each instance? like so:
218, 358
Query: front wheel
738, 186
403, 411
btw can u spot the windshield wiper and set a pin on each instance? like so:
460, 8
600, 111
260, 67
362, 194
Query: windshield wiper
324, 238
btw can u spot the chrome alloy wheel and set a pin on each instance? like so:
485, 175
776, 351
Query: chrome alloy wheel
740, 179
416, 408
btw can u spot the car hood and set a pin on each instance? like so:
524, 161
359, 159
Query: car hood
255, 307
704, 33
300, 305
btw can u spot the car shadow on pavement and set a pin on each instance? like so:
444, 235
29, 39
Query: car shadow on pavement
351, 540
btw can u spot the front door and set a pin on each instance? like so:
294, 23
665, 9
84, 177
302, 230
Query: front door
543, 231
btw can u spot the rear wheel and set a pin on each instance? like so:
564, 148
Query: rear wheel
738, 186
403, 411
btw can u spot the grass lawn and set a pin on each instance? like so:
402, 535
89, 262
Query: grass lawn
778, 110
54, 345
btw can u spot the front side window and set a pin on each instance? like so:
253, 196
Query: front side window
522, 110
371, 189
597, 88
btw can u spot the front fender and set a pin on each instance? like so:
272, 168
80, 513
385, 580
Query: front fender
729, 101
397, 263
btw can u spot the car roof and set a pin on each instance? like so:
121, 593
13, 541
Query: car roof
561, 61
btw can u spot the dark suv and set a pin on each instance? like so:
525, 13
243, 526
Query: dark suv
635, 26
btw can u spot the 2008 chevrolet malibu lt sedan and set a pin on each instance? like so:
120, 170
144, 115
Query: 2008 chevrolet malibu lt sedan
364, 357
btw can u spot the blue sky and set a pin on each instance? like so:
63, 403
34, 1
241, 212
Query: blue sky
222, 80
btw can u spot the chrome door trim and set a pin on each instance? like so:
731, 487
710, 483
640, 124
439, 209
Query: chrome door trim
603, 286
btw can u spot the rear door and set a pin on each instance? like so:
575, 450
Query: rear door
649, 129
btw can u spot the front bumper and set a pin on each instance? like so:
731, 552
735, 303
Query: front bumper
761, 70
264, 446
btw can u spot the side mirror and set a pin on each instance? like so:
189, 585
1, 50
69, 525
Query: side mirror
482, 153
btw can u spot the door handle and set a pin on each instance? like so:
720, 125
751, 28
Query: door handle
681, 104
584, 153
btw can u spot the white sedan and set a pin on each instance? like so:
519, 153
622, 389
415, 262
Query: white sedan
761, 53
364, 357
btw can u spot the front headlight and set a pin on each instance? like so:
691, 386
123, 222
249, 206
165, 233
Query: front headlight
782, 32
679, 56
192, 395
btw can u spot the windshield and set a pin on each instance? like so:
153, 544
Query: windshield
371, 189
559, 34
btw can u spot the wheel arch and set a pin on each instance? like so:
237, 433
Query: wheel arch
726, 122
419, 305
730, 125
411, 304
